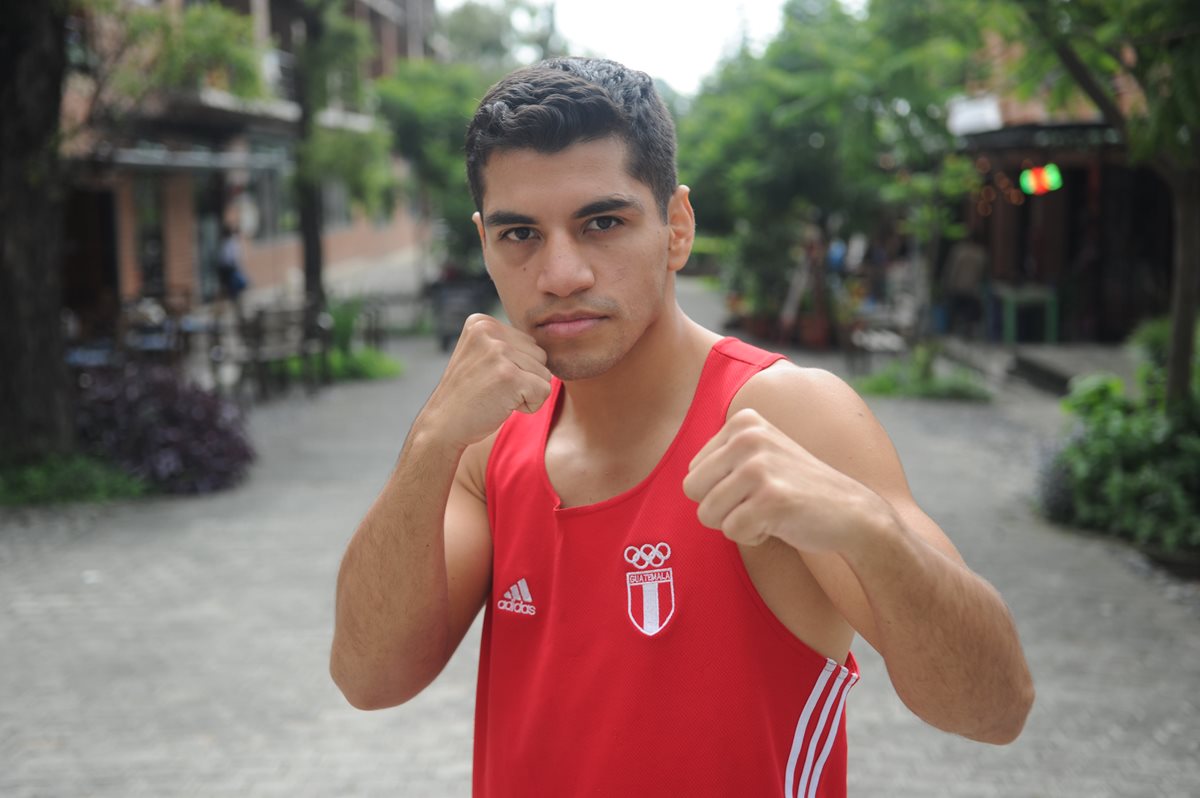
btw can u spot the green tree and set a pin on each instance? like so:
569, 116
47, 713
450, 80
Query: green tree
121, 56
842, 116
428, 107
498, 37
1106, 46
330, 60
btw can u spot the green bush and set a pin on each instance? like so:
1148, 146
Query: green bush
1152, 338
346, 361
345, 315
67, 479
364, 363
914, 377
1132, 467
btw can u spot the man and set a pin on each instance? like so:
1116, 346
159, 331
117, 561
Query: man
574, 473
230, 277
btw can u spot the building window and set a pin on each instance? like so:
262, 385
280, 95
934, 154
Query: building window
273, 193
148, 200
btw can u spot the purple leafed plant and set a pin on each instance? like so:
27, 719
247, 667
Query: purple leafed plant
174, 435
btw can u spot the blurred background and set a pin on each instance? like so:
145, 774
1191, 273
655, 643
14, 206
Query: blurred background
236, 248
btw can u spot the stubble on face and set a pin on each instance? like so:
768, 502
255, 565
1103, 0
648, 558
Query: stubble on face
590, 355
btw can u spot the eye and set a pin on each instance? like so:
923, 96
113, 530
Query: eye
603, 223
517, 234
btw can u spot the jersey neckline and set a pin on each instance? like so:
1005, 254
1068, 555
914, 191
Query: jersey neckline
556, 392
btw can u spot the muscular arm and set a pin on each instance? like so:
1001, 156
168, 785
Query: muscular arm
418, 567
413, 577
806, 461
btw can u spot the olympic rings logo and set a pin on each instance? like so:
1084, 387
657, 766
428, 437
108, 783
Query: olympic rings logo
646, 556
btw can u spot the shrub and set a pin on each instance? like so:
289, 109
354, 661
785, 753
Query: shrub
914, 377
1132, 466
162, 430
364, 363
1152, 338
345, 313
1055, 491
66, 479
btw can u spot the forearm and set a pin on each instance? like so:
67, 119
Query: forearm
950, 645
392, 633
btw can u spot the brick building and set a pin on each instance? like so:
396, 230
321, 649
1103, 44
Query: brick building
144, 214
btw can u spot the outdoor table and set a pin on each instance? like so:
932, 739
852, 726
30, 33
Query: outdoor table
1013, 297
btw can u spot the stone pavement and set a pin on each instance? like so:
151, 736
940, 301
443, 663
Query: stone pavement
178, 647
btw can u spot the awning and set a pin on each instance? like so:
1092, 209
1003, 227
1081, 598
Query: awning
203, 160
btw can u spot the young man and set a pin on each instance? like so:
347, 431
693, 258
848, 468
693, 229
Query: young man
675, 536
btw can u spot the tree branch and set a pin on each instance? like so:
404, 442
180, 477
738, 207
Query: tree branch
1077, 69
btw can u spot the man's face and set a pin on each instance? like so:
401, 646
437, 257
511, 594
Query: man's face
579, 251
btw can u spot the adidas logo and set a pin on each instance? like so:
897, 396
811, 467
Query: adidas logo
517, 599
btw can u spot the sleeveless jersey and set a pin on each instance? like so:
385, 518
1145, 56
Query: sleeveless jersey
626, 651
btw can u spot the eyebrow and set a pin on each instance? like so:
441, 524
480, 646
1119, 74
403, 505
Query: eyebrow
617, 202
500, 218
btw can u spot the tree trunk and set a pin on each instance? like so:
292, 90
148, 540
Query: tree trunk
35, 396
310, 237
308, 183
1185, 284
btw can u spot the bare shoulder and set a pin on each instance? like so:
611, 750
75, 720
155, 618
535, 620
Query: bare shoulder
821, 412
784, 383
827, 417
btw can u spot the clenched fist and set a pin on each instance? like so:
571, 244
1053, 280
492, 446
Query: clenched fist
494, 370
752, 482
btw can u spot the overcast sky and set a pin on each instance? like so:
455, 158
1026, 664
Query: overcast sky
679, 41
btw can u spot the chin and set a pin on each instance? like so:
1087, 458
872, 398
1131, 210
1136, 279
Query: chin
572, 369
581, 365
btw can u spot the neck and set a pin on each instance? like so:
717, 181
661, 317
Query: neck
655, 379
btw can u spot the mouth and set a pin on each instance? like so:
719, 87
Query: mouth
569, 324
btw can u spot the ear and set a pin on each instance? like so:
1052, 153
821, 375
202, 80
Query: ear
681, 226
478, 220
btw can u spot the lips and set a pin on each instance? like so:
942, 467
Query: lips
566, 324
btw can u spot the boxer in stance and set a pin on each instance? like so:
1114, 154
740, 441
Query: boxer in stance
675, 536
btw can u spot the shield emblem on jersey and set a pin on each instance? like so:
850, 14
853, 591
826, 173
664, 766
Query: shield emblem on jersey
651, 599
650, 593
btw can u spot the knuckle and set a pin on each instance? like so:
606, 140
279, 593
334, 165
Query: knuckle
483, 326
691, 489
746, 417
495, 347
757, 467
541, 389
747, 439
476, 319
507, 370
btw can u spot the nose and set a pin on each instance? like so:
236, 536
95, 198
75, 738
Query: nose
564, 270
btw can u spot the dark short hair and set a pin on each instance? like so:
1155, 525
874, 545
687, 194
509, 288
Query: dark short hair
563, 101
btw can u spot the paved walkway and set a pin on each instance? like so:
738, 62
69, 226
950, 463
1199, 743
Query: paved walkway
177, 647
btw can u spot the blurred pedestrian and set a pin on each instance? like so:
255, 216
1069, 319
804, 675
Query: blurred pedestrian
962, 282
230, 274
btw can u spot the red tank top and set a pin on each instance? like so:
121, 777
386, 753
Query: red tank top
625, 650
